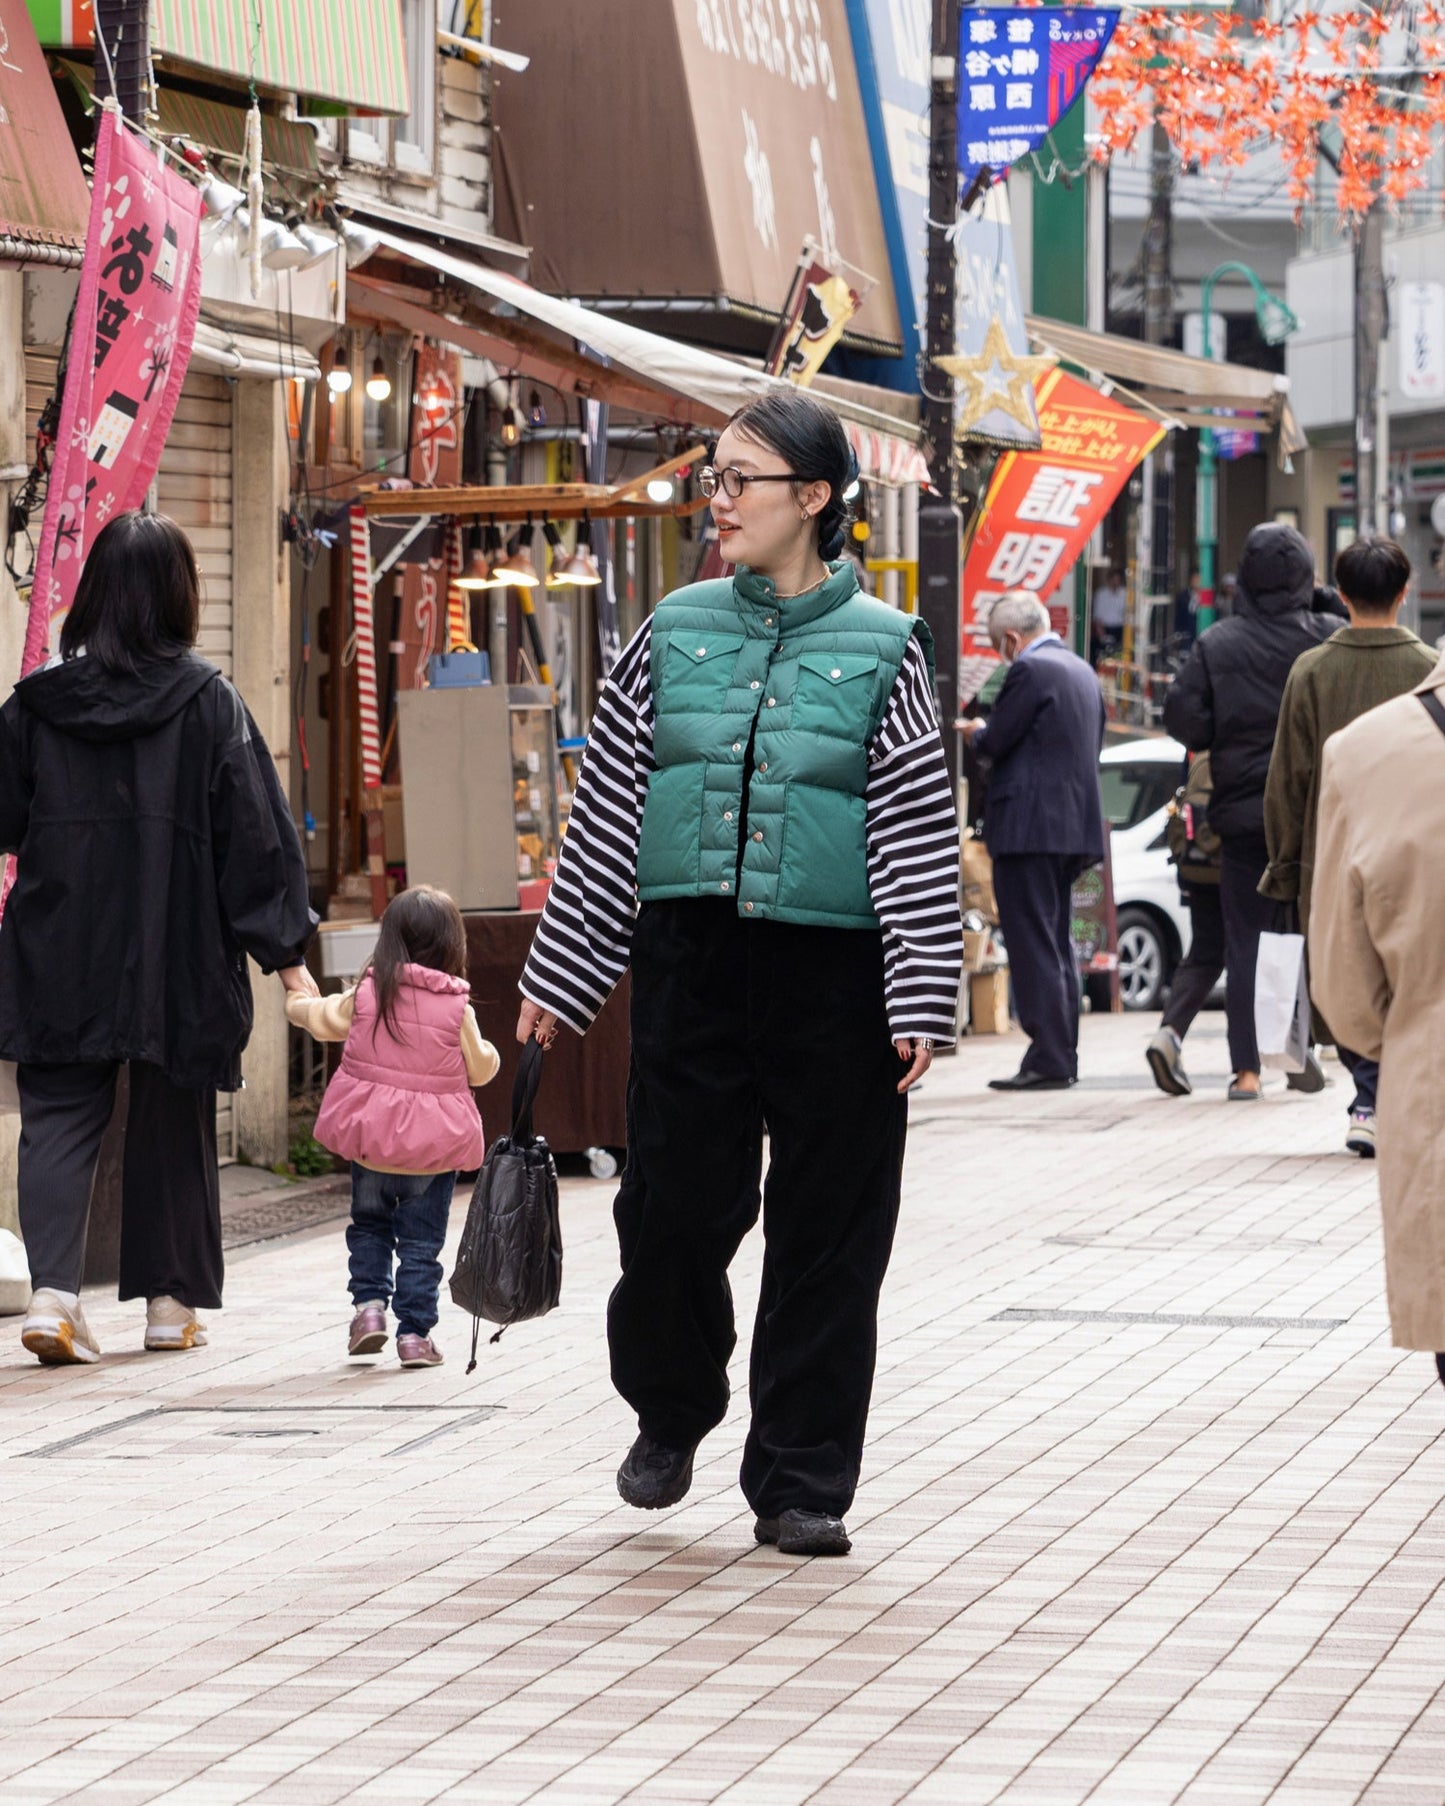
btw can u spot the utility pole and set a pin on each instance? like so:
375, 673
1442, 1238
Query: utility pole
122, 27
1371, 325
1156, 539
938, 524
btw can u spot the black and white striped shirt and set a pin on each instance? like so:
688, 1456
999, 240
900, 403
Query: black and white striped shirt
582, 942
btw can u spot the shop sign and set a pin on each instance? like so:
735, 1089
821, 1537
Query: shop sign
130, 342
1041, 507
823, 299
436, 463
1019, 73
899, 36
1420, 335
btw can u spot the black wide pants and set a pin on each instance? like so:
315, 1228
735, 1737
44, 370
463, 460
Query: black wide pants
739, 1029
170, 1222
1035, 910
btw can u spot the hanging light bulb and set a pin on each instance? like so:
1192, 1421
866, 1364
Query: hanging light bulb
536, 413
511, 426
659, 490
378, 384
338, 377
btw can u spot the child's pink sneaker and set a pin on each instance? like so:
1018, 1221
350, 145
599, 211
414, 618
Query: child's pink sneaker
368, 1330
418, 1351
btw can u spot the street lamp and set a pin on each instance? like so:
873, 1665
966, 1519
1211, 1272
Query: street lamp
1276, 323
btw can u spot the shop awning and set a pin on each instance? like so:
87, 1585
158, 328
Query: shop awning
44, 200
215, 127
351, 53
1191, 391
640, 371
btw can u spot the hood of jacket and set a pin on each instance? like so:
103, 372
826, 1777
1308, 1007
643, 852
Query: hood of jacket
1276, 571
80, 697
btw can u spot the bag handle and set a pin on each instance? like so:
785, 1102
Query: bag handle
524, 1090
1434, 708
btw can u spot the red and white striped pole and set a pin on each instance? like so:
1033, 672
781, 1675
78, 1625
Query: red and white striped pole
364, 638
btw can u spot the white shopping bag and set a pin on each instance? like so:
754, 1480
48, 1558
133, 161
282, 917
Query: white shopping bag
9, 1094
1282, 1002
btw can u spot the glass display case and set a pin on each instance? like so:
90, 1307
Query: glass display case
536, 780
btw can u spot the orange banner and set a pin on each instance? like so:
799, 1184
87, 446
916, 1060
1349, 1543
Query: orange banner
1042, 506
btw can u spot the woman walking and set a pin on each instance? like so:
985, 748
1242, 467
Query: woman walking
766, 779
156, 850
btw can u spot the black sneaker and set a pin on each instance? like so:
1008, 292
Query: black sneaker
804, 1533
1311, 1079
653, 1475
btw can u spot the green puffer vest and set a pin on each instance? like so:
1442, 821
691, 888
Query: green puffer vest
802, 685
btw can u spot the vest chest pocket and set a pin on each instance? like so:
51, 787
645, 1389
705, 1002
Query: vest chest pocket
697, 668
835, 693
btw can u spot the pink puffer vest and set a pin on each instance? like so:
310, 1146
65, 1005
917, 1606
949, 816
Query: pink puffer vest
400, 1101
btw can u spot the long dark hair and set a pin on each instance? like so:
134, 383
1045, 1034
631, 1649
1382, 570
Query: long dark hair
139, 597
810, 436
421, 927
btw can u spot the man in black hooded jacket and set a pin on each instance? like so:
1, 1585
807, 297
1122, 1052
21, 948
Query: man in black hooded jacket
1226, 700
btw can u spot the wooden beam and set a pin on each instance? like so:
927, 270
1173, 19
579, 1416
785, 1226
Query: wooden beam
500, 504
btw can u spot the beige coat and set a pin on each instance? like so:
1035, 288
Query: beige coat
1377, 969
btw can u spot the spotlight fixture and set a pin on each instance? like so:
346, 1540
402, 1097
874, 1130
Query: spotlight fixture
516, 570
378, 384
338, 377
580, 570
477, 573
556, 577
219, 198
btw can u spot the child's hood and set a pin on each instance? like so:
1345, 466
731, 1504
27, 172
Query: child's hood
427, 978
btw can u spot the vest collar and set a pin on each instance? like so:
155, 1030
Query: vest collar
750, 591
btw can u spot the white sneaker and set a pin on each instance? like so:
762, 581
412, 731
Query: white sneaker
171, 1324
56, 1333
1361, 1138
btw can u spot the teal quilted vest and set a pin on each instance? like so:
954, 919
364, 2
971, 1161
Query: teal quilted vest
783, 696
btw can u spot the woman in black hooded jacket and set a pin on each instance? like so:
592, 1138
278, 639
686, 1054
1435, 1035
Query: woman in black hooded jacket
1226, 701
155, 850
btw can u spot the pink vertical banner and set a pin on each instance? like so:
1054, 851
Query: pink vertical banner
130, 342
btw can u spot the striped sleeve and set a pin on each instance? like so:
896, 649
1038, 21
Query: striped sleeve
583, 940
913, 859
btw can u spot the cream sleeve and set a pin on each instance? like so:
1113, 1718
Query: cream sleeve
483, 1060
324, 1018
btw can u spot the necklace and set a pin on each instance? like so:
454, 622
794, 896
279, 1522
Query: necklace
792, 595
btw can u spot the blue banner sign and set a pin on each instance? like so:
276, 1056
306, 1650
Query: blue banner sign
1019, 73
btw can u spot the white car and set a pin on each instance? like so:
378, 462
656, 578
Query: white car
1137, 781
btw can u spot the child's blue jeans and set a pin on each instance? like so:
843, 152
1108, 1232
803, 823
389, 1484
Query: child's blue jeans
402, 1215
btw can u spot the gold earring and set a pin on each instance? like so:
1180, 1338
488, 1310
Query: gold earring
805, 514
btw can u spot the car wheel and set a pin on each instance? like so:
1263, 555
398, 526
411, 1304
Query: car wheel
1143, 961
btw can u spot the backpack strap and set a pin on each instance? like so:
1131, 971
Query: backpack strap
1434, 708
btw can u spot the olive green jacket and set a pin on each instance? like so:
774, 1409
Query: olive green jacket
1355, 670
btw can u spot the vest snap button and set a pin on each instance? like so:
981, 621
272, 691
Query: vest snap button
737, 746
724, 885
702, 652
754, 685
763, 766
727, 814
748, 907
767, 620
835, 672
758, 835
772, 702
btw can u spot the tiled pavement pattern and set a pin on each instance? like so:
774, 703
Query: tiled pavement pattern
1152, 1513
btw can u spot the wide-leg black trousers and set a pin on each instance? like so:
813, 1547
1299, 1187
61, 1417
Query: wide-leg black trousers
170, 1223
740, 1029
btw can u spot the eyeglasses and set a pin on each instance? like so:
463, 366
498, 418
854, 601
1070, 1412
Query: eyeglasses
730, 480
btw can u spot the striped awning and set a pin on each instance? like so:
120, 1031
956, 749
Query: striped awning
348, 52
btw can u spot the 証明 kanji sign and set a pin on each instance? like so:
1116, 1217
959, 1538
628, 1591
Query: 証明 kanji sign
1019, 73
1042, 506
130, 342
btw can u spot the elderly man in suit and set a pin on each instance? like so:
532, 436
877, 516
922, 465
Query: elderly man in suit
1043, 825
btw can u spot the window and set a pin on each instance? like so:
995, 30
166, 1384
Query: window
407, 145
1132, 793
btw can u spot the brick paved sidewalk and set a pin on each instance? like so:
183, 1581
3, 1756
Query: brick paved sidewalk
1152, 1512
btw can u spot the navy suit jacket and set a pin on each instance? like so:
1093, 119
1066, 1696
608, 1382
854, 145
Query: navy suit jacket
1043, 740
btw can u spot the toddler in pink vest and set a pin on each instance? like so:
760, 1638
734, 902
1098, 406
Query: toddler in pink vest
400, 1109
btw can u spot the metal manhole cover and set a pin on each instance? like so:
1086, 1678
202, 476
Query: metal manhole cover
316, 1431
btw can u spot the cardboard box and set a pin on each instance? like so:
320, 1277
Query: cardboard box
976, 886
456, 773
976, 945
988, 1002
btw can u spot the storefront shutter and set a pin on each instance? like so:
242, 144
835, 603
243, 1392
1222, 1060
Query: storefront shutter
194, 488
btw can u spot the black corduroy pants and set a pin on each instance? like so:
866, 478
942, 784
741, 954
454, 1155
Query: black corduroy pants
740, 1029
170, 1224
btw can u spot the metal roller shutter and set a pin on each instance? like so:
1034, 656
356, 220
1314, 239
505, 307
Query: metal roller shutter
194, 488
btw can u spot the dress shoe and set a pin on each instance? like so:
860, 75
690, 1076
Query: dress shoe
1311, 1079
1031, 1081
797, 1532
654, 1476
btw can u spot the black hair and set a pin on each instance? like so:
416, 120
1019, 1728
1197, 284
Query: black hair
139, 597
810, 437
421, 927
1372, 572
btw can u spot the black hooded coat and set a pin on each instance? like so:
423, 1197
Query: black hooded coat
1226, 698
155, 849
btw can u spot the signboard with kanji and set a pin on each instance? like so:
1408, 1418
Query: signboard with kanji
130, 342
1020, 72
1042, 506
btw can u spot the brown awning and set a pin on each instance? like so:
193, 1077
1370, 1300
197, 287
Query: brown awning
679, 154
44, 200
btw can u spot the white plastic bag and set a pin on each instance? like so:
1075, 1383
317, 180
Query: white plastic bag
1282, 1002
14, 1275
9, 1095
